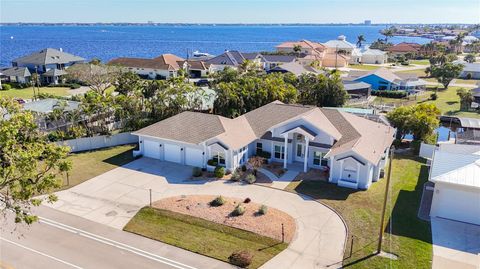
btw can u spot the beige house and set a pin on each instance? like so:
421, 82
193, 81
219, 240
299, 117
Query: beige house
352, 149
161, 67
307, 51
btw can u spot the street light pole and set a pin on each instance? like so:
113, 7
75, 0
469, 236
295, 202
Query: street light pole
387, 187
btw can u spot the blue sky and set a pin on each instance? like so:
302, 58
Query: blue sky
242, 11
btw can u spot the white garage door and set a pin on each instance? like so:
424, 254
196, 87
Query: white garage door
194, 157
459, 205
151, 149
173, 153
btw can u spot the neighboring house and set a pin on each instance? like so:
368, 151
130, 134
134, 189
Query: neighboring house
456, 173
333, 60
340, 45
306, 51
196, 69
353, 149
470, 70
161, 67
44, 107
295, 68
404, 48
476, 95
233, 59
49, 63
384, 79
369, 56
357, 89
16, 74
272, 61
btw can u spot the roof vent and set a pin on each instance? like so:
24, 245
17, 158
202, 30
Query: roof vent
342, 37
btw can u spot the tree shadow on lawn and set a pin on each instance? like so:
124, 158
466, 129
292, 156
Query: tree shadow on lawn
121, 159
404, 221
323, 190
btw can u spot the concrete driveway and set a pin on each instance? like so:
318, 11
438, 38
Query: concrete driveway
115, 197
455, 244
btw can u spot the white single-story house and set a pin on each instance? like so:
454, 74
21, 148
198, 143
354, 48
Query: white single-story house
16, 74
233, 59
272, 61
354, 150
470, 70
370, 56
455, 171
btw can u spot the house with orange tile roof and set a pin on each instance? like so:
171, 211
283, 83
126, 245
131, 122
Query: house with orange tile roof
306, 51
161, 67
404, 48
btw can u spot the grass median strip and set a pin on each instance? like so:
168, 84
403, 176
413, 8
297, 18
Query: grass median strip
201, 236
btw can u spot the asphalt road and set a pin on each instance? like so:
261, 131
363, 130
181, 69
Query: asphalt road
51, 244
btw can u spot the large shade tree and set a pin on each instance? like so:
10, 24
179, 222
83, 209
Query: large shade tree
29, 164
321, 90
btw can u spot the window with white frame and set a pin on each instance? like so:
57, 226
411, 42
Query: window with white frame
279, 152
318, 159
219, 157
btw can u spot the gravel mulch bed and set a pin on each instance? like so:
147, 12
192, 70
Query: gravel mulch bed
269, 225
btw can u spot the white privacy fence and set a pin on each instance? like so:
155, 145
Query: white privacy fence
97, 142
426, 151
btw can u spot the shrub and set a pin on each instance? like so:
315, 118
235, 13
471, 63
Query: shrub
244, 168
219, 172
264, 154
75, 86
212, 162
241, 258
6, 87
236, 176
263, 210
239, 210
247, 200
416, 146
219, 201
250, 179
390, 94
196, 171
433, 96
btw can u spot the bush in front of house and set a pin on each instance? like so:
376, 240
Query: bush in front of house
239, 210
212, 162
218, 201
244, 168
250, 179
247, 200
263, 210
196, 171
6, 87
264, 154
433, 96
219, 172
236, 176
390, 94
241, 258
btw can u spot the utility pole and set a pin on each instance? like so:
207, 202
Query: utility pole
336, 56
387, 187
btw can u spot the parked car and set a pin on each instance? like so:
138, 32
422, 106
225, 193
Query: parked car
202, 82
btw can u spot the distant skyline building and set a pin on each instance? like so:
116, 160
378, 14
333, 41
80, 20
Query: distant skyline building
367, 22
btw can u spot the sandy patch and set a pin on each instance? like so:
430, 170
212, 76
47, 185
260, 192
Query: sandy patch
269, 225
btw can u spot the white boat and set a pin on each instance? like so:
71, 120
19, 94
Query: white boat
201, 54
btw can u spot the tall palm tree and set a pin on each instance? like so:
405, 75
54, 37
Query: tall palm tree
360, 40
387, 33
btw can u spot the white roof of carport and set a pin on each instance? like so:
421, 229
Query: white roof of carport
459, 169
470, 123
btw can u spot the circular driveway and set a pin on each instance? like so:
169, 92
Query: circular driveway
114, 197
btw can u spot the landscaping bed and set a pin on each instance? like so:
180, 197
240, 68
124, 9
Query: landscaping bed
269, 224
276, 168
313, 174
202, 236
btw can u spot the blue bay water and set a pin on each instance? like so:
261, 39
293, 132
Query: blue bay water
108, 42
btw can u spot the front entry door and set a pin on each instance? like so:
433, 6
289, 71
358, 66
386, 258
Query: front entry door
300, 152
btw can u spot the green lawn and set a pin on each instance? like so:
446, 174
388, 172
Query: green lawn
449, 103
468, 81
87, 165
364, 67
418, 72
420, 62
201, 236
27, 93
409, 238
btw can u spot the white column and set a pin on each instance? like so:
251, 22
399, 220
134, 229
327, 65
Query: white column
305, 160
285, 152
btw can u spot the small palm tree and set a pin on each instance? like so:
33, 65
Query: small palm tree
360, 40
297, 49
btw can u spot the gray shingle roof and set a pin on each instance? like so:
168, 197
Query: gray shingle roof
278, 58
355, 85
232, 57
54, 73
189, 127
49, 56
16, 72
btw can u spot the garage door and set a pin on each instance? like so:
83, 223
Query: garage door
458, 205
194, 157
173, 153
151, 149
